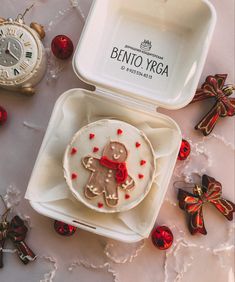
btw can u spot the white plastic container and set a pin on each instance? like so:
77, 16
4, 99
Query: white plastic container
139, 55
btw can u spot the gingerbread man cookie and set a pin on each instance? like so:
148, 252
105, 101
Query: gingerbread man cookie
108, 174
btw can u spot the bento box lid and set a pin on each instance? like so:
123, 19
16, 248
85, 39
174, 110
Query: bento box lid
152, 51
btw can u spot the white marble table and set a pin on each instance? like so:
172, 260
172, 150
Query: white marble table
88, 257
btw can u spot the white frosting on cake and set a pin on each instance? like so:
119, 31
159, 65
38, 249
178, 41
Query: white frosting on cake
90, 141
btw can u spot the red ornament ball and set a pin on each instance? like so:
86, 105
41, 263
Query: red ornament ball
162, 237
3, 115
62, 47
64, 229
185, 150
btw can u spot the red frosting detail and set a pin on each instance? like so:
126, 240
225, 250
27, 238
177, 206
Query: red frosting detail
100, 205
74, 151
121, 170
119, 131
92, 136
127, 196
141, 176
142, 162
74, 176
137, 144
95, 149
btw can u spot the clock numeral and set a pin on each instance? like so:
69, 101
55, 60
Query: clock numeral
28, 54
4, 74
16, 72
1, 33
11, 31
27, 43
21, 35
24, 65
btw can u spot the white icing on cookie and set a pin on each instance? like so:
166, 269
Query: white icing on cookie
127, 183
116, 157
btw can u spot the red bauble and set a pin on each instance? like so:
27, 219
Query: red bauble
64, 229
162, 237
3, 115
185, 150
62, 47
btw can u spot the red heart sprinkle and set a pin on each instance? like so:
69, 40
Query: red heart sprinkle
127, 196
74, 176
100, 205
119, 131
141, 176
74, 151
92, 136
137, 144
95, 149
142, 162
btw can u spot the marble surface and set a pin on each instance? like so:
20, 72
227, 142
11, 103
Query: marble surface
85, 256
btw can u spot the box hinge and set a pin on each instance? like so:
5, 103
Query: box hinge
126, 100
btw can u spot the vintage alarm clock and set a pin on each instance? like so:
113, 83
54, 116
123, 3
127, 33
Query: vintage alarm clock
22, 55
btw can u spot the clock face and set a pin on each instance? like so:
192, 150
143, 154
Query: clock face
19, 52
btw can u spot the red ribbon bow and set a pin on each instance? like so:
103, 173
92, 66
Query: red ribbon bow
16, 231
214, 87
211, 192
121, 170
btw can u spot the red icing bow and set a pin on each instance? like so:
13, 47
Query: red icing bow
121, 170
209, 192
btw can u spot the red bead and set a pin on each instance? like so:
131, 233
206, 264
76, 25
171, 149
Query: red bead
92, 136
63, 228
3, 115
185, 150
162, 237
100, 205
141, 176
127, 196
62, 47
95, 149
119, 131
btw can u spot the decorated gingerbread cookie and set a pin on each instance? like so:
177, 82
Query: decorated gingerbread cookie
108, 174
109, 166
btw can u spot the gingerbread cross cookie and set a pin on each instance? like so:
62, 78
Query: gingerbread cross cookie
108, 174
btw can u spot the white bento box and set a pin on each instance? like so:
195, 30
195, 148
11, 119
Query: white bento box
139, 55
